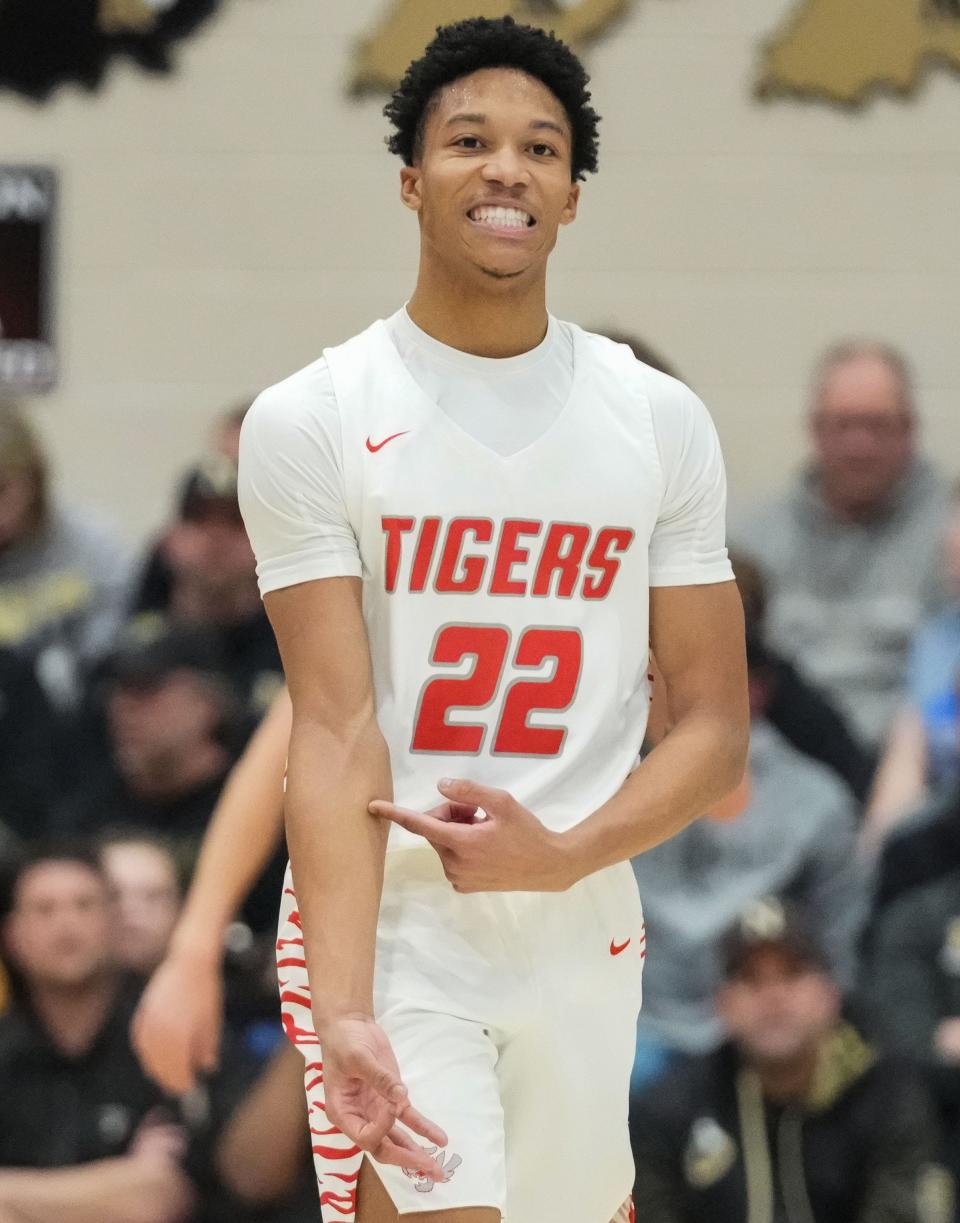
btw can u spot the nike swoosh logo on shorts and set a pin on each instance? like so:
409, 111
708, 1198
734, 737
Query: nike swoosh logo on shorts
374, 447
616, 948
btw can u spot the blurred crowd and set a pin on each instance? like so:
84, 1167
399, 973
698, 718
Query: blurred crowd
798, 1053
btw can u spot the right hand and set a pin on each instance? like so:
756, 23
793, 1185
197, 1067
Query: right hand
366, 1098
176, 1028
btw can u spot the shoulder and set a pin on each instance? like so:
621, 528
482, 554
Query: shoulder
15, 1039
672, 403
304, 399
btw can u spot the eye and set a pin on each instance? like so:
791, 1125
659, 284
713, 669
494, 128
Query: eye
543, 150
468, 142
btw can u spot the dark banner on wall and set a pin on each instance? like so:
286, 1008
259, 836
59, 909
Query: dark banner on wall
27, 213
45, 43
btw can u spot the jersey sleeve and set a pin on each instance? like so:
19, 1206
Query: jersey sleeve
688, 547
291, 484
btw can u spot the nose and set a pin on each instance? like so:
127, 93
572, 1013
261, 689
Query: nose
505, 166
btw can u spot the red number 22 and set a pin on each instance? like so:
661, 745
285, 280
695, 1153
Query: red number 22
488, 644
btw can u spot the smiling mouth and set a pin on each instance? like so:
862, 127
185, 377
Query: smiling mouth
501, 220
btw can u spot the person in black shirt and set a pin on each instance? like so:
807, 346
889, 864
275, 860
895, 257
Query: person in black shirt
83, 1133
797, 1117
201, 573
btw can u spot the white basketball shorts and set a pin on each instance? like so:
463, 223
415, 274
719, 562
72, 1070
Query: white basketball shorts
513, 1018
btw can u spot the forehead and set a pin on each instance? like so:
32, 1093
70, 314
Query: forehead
137, 860
55, 878
861, 382
772, 961
500, 94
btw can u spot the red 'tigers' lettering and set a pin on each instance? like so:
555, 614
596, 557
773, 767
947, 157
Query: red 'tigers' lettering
559, 559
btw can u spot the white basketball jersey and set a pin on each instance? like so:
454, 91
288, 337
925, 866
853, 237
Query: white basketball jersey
506, 598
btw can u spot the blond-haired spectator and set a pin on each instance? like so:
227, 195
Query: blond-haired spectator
64, 574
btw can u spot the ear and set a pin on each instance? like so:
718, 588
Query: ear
410, 188
570, 208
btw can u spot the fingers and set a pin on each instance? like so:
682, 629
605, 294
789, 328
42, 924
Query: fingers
421, 823
400, 1149
461, 790
414, 1120
364, 1065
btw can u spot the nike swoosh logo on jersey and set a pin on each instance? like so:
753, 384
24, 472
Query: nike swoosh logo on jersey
616, 948
374, 447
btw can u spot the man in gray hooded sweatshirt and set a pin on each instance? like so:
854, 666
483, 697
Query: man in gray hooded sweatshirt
851, 549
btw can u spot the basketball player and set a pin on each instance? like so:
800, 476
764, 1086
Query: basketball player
472, 522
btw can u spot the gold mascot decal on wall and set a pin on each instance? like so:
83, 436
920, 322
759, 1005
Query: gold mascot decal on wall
382, 58
848, 50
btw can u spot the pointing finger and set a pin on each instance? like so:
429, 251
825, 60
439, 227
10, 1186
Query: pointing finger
438, 831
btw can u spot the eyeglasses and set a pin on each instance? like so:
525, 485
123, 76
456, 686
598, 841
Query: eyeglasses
877, 424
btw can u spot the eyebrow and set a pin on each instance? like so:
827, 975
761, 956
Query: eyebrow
535, 124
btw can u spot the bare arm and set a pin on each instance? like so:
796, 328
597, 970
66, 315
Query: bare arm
262, 1150
249, 813
176, 1031
901, 779
696, 633
338, 761
127, 1189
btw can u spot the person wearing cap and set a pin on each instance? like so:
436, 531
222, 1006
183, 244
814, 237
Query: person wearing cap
793, 832
796, 1118
174, 725
201, 573
64, 575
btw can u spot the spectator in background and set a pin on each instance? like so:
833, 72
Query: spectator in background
794, 835
263, 1157
141, 870
173, 729
800, 712
29, 760
797, 1118
922, 754
850, 550
64, 577
83, 1133
202, 573
912, 983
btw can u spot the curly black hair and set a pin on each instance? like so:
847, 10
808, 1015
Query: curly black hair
482, 42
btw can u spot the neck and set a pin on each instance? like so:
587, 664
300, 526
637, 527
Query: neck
73, 1016
480, 315
785, 1082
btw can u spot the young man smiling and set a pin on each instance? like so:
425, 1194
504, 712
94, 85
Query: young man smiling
472, 523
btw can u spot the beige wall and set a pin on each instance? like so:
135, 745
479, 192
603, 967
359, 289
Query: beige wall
219, 227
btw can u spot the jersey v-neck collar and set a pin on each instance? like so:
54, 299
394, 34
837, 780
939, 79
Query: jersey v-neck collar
402, 325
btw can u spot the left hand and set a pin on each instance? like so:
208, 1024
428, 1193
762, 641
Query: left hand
508, 851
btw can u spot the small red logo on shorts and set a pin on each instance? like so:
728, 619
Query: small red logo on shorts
616, 948
373, 447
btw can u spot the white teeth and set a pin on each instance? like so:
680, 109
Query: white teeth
514, 218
